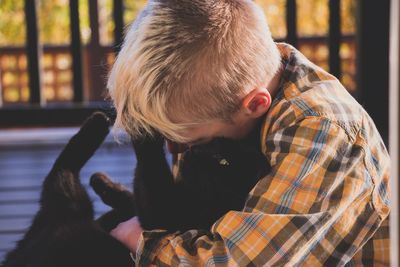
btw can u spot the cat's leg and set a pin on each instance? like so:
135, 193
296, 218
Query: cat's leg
64, 202
111, 219
154, 186
63, 196
83, 144
116, 196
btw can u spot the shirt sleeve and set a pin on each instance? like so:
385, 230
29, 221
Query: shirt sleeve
315, 207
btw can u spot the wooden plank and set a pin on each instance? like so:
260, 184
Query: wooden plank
24, 175
33, 54
46, 155
45, 164
26, 184
33, 196
2, 252
11, 201
15, 223
18, 209
20, 195
60, 115
8, 241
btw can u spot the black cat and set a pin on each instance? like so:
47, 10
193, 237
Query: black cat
63, 232
215, 178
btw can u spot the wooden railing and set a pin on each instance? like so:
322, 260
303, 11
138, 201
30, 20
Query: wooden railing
57, 85
57, 71
68, 82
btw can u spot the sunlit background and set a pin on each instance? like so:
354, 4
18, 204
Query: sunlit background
54, 35
36, 116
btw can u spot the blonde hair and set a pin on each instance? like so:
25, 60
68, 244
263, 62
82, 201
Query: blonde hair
186, 62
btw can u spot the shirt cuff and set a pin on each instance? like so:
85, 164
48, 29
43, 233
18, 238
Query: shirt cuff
149, 243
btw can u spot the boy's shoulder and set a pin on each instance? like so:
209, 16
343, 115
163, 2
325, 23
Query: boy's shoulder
307, 91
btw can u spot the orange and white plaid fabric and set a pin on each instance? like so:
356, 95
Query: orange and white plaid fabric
325, 202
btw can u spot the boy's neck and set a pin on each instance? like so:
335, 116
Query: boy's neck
253, 137
273, 84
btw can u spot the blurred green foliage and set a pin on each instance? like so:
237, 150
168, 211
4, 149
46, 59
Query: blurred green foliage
53, 18
12, 22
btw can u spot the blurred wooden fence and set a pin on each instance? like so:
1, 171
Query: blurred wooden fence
60, 85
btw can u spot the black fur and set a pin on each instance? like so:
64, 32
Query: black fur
215, 178
63, 232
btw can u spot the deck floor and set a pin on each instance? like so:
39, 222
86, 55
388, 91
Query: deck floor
25, 162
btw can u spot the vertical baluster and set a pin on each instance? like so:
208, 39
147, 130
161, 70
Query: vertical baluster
394, 135
33, 53
373, 60
119, 24
1, 87
291, 22
97, 72
76, 51
334, 38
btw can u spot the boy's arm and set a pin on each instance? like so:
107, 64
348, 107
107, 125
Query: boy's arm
321, 202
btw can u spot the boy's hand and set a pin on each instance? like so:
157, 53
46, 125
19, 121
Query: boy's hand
128, 233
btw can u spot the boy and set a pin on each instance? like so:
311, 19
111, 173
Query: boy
198, 69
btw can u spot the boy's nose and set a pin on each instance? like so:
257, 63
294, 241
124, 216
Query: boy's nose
175, 148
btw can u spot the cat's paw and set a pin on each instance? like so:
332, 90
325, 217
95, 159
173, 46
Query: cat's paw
112, 194
83, 144
98, 120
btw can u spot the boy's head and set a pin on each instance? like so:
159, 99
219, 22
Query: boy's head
186, 63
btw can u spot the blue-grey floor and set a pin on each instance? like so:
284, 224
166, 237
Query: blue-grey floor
25, 162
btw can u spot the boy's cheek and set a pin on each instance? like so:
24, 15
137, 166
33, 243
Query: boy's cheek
175, 148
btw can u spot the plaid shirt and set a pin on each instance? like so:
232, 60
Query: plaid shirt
325, 202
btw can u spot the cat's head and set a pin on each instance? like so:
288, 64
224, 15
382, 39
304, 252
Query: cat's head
226, 161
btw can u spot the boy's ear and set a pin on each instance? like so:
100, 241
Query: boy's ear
257, 102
